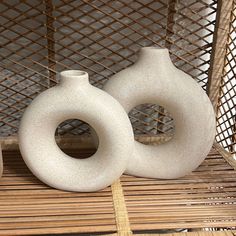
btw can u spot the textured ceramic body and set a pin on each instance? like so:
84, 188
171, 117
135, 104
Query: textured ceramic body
154, 79
75, 98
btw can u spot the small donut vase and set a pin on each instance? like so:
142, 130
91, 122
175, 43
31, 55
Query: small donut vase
154, 79
75, 98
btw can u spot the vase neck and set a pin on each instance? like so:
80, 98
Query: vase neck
158, 57
74, 78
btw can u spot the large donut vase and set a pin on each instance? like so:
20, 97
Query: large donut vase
154, 79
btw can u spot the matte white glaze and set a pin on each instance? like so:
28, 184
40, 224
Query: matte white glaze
75, 98
154, 79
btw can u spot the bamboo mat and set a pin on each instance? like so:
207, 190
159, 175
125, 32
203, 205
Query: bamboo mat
199, 233
205, 198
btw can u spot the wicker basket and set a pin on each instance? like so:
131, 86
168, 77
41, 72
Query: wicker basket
41, 37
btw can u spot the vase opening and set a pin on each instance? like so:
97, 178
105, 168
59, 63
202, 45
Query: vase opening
74, 142
160, 124
69, 73
74, 77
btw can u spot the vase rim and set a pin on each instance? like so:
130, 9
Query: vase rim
74, 73
73, 77
155, 48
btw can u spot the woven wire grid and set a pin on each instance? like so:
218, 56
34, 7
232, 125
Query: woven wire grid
226, 119
40, 38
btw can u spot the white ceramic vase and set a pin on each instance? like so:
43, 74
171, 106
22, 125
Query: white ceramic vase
154, 79
75, 98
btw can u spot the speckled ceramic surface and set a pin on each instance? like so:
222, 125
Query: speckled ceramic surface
154, 79
75, 98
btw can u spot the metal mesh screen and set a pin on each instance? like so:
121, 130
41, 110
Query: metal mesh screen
226, 120
40, 38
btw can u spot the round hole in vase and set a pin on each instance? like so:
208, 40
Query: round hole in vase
78, 138
153, 120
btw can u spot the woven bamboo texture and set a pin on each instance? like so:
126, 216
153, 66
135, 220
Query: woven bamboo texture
204, 199
226, 98
211, 233
39, 38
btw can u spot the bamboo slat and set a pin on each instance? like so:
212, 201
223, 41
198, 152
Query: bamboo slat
199, 233
226, 89
203, 199
218, 56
